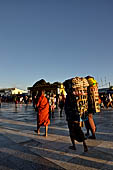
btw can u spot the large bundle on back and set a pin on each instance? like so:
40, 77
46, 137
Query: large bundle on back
85, 90
76, 82
78, 87
93, 95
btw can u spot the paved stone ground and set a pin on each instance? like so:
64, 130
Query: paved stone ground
21, 148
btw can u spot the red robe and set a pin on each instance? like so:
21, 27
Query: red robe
43, 111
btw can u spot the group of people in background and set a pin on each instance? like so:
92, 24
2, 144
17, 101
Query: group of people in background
16, 98
106, 100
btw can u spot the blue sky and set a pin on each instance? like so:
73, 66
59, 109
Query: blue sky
55, 40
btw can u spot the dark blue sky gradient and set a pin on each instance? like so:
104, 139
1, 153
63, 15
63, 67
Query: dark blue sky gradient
55, 40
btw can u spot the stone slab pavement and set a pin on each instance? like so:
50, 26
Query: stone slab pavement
21, 148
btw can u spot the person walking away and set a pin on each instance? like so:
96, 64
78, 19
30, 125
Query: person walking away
26, 102
49, 101
34, 101
0, 100
89, 122
43, 112
73, 117
109, 104
16, 101
61, 103
52, 101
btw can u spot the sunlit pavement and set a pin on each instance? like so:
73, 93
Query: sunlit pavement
21, 148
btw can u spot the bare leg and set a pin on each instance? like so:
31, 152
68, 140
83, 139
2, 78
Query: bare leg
38, 131
92, 125
46, 130
87, 125
52, 114
73, 144
85, 146
61, 112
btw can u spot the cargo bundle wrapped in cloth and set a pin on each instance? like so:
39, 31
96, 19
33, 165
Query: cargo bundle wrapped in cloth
78, 88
